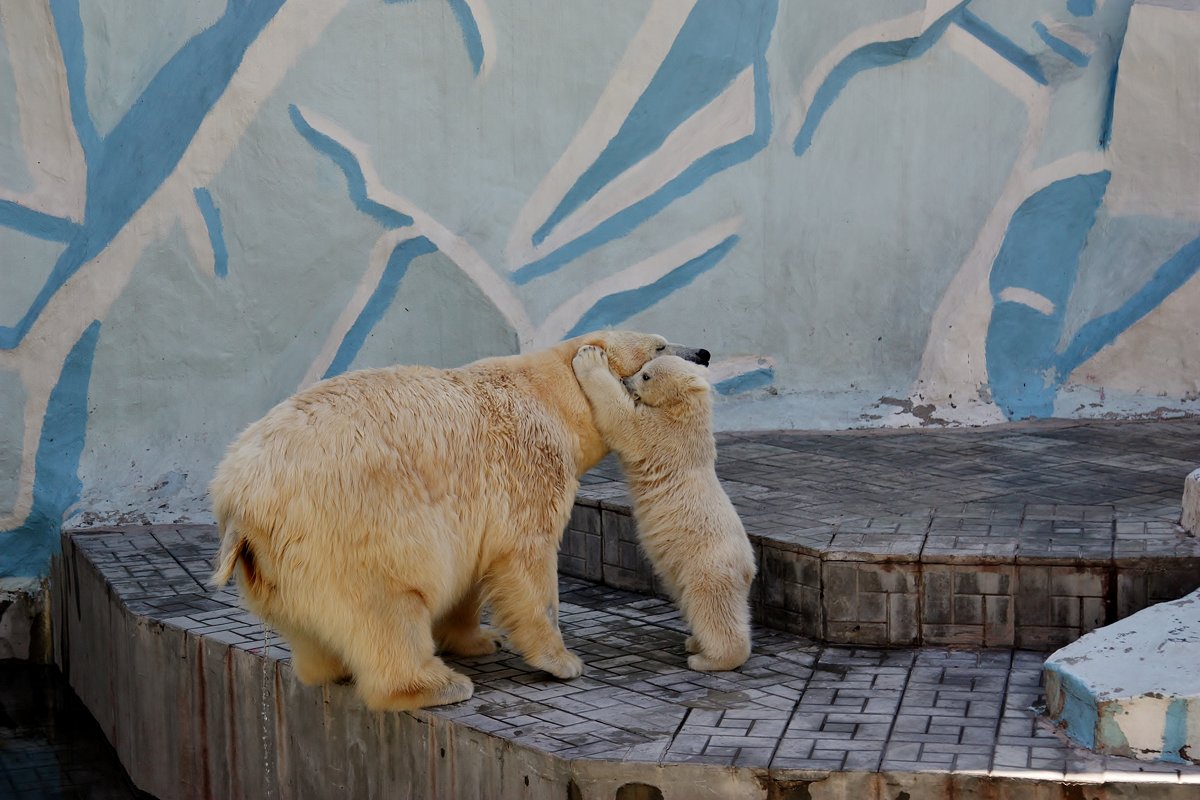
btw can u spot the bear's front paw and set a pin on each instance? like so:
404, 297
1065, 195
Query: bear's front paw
589, 359
564, 665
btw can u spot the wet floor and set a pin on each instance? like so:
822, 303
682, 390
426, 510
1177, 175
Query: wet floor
50, 747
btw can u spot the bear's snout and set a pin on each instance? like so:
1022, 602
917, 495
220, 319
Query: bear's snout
697, 355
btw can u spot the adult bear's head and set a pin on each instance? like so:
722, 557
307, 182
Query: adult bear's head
628, 351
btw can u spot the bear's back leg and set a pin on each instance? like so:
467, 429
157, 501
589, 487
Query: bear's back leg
386, 640
459, 631
313, 662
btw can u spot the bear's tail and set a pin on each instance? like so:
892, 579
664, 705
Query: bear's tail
234, 550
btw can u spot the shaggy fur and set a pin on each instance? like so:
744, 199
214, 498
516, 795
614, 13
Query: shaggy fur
371, 516
660, 424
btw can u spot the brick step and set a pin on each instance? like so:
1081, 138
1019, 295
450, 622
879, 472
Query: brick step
1025, 535
198, 703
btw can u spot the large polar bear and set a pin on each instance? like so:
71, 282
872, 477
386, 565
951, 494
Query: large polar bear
660, 424
373, 514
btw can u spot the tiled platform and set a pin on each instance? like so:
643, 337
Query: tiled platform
133, 611
1027, 535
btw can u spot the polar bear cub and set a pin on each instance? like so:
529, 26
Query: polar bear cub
660, 425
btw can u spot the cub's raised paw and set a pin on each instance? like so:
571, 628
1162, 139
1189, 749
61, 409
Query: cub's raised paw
589, 358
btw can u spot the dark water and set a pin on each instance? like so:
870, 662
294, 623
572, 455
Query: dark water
50, 747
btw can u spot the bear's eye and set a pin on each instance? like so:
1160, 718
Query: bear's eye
645, 377
660, 348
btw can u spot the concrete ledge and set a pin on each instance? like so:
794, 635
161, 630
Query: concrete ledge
1133, 688
198, 705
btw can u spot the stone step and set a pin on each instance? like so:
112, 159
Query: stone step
199, 702
1026, 535
1133, 688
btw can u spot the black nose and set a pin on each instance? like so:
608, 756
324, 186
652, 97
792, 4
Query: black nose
702, 357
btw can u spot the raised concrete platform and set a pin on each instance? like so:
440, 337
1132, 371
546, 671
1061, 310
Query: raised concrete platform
1133, 688
1023, 535
199, 704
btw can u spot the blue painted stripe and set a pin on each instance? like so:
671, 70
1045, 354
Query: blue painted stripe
379, 302
470, 32
1064, 49
216, 232
1079, 714
69, 26
1103, 331
1006, 48
867, 57
35, 223
145, 146
1109, 104
1081, 8
25, 551
616, 308
746, 382
1175, 733
346, 161
1040, 252
719, 49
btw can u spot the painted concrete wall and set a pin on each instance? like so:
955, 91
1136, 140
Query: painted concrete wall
878, 212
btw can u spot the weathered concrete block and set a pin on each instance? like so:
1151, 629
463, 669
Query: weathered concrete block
1191, 502
1133, 687
24, 620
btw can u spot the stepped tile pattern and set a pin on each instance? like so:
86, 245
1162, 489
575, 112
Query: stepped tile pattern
1027, 535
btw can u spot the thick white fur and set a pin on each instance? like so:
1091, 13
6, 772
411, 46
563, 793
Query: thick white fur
373, 514
660, 424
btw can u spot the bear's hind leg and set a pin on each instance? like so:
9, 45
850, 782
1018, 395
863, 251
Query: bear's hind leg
459, 631
390, 649
718, 613
523, 590
313, 663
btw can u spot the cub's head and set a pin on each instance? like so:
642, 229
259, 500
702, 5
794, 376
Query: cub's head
669, 381
628, 350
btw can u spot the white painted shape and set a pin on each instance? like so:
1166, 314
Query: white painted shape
89, 294
456, 248
888, 30
645, 272
1026, 297
1156, 163
633, 74
725, 120
53, 154
376, 263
